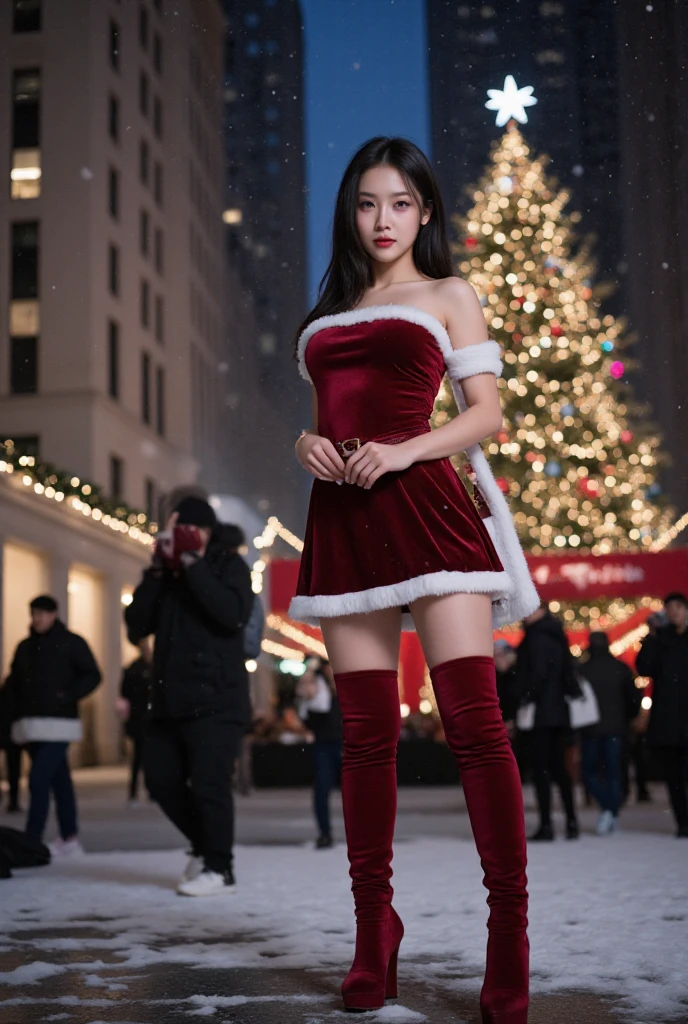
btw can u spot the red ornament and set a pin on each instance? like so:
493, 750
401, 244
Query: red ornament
589, 487
503, 484
517, 337
557, 331
626, 436
502, 437
531, 456
471, 242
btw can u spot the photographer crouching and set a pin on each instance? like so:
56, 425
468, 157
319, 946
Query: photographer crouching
195, 598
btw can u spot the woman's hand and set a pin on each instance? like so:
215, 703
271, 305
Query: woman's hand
320, 457
373, 460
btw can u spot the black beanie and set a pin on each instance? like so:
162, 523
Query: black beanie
195, 512
44, 603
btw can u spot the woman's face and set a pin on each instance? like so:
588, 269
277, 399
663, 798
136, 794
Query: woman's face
387, 216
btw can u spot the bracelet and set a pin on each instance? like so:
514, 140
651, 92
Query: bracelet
303, 434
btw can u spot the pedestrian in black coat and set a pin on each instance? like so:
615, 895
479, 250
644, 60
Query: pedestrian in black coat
546, 677
318, 706
664, 657
52, 670
135, 687
195, 599
602, 744
12, 753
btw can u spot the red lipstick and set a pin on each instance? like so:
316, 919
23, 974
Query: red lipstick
384, 243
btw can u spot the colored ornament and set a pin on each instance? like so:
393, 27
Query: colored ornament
503, 484
552, 468
567, 410
589, 487
654, 489
607, 346
471, 242
557, 331
626, 436
617, 369
531, 456
502, 437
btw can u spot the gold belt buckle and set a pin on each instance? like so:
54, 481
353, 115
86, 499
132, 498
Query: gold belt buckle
347, 448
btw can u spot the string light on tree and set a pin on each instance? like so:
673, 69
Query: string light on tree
575, 455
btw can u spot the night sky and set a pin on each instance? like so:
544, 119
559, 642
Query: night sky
366, 75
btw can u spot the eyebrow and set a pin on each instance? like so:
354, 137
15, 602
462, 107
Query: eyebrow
374, 194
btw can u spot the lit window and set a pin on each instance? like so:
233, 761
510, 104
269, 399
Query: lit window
232, 216
253, 48
25, 173
25, 318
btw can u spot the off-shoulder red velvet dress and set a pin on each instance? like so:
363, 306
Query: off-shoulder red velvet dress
414, 533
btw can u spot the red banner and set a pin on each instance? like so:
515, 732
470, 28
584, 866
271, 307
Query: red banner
584, 578
557, 577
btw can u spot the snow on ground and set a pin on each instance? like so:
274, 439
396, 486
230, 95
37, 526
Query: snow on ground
607, 915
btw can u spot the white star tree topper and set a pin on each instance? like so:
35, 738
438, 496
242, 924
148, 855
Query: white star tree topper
510, 101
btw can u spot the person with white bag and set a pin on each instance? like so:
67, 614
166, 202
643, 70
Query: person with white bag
547, 682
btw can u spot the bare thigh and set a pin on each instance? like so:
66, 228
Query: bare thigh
356, 643
453, 626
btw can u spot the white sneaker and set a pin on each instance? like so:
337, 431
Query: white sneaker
192, 870
208, 883
606, 823
61, 848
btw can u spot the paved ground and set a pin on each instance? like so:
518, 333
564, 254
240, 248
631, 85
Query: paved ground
156, 994
283, 816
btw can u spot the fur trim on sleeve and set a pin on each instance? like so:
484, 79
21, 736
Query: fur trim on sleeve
467, 362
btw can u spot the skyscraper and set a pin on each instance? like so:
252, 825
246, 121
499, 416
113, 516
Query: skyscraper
567, 52
653, 85
113, 360
265, 196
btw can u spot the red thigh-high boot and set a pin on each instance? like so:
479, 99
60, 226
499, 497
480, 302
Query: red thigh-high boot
466, 693
371, 721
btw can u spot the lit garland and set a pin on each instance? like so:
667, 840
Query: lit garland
79, 495
578, 477
273, 530
299, 636
671, 534
282, 651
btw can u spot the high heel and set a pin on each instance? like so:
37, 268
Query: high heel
466, 695
373, 974
371, 724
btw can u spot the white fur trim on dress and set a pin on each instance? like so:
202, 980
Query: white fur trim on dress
396, 595
521, 597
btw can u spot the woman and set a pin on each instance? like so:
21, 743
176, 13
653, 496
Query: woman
391, 530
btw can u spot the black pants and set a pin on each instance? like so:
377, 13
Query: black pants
188, 766
327, 767
50, 773
13, 764
136, 765
549, 765
674, 762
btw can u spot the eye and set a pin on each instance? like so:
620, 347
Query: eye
365, 204
403, 202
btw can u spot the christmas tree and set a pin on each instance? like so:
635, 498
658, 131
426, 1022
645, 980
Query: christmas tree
575, 456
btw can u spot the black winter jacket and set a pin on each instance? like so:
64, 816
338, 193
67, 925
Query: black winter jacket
618, 698
197, 616
664, 657
51, 672
545, 672
135, 687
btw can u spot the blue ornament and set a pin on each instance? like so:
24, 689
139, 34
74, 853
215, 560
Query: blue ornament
567, 410
552, 469
653, 490
607, 346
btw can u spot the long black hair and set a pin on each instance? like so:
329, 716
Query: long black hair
349, 272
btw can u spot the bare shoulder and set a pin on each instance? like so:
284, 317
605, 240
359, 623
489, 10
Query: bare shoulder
462, 312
